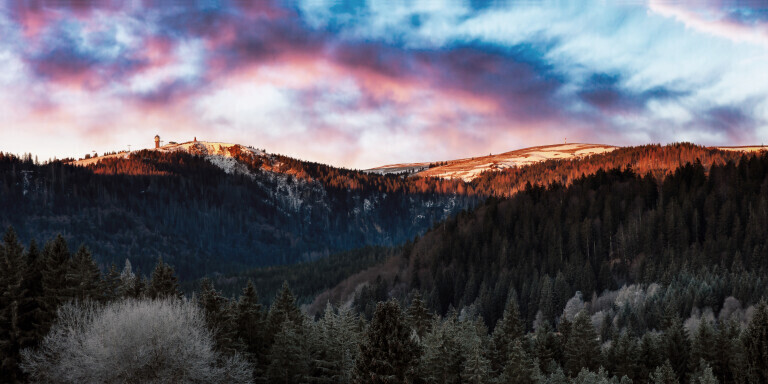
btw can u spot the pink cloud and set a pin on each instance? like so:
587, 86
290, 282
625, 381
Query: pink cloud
713, 21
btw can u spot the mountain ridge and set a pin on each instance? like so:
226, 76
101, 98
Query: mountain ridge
470, 168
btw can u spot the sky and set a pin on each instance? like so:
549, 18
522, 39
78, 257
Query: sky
361, 84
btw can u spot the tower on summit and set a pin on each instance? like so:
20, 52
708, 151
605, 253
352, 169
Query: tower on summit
157, 141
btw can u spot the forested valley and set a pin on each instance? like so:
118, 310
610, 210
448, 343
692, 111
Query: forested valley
614, 277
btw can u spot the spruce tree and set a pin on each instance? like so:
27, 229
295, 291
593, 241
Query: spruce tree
664, 374
547, 347
32, 313
111, 284
704, 346
477, 368
288, 357
650, 355
388, 354
625, 353
336, 344
508, 329
703, 374
677, 345
557, 376
582, 350
57, 261
442, 360
249, 324
84, 277
163, 283
218, 316
284, 308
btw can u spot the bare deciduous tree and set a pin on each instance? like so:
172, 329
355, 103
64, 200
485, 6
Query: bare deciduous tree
132, 341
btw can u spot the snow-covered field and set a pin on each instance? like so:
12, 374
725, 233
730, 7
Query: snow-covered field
217, 153
753, 148
470, 168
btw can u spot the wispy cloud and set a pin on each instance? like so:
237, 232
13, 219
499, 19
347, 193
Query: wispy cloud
359, 84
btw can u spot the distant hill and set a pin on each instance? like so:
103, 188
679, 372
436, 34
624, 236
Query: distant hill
470, 168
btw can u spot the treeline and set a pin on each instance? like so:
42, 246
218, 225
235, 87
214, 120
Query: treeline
655, 159
63, 321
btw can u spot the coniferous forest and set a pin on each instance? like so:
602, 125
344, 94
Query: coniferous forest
621, 275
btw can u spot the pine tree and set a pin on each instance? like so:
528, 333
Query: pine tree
163, 283
519, 368
388, 354
418, 317
755, 341
12, 294
508, 329
582, 350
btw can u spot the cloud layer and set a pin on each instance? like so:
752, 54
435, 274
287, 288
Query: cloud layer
362, 85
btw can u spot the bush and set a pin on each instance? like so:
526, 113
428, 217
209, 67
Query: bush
132, 341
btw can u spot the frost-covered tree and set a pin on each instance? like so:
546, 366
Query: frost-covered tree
128, 281
132, 341
573, 306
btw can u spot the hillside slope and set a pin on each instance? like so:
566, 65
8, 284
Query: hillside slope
211, 209
608, 229
470, 168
